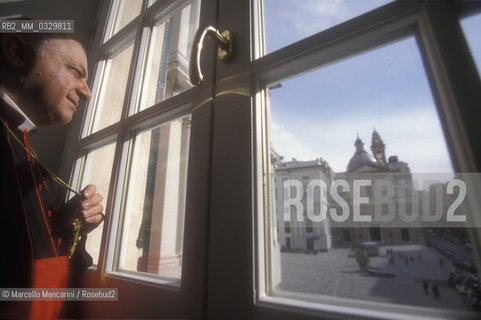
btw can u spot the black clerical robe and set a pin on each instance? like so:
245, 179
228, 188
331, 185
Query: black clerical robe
33, 228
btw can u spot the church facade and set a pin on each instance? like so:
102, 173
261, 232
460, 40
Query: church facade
376, 171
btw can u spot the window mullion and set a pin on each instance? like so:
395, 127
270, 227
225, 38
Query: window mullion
133, 72
454, 80
114, 200
456, 85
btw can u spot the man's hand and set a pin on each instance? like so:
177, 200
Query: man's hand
91, 207
86, 206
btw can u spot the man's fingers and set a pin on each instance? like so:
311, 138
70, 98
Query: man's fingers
94, 214
99, 217
92, 201
91, 207
89, 190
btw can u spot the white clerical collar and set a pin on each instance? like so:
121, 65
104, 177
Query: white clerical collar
27, 125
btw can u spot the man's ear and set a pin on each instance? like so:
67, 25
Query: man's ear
13, 49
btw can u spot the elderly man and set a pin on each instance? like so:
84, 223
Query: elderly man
42, 79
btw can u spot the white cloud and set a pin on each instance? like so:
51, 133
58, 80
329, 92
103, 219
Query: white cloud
311, 16
289, 141
414, 136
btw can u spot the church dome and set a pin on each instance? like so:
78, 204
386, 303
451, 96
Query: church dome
361, 157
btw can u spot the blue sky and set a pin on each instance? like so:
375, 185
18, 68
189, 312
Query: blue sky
292, 20
471, 27
319, 114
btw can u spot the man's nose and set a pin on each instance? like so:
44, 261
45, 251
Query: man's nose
84, 91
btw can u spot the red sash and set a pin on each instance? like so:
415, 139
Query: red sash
49, 273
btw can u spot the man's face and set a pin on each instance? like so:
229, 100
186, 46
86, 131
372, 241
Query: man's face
56, 82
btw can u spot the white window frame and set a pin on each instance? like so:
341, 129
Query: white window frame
187, 300
252, 72
235, 279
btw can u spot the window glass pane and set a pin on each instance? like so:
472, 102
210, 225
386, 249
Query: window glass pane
471, 27
287, 21
97, 169
126, 11
367, 128
167, 67
113, 88
153, 220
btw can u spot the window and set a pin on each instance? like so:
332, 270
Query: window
363, 93
287, 228
113, 92
350, 85
122, 12
153, 216
96, 166
141, 62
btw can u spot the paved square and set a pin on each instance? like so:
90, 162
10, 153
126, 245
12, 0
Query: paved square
336, 273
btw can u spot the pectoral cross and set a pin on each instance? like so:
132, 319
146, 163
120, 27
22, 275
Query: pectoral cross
77, 225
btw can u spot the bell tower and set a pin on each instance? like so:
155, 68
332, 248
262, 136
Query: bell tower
378, 149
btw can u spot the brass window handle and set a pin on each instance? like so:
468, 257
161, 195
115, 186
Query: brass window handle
225, 50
